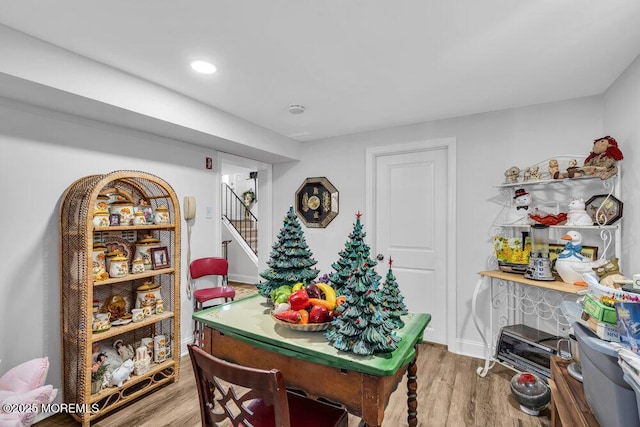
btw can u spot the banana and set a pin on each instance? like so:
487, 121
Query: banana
329, 294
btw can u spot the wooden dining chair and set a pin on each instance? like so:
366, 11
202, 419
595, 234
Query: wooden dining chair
254, 397
208, 267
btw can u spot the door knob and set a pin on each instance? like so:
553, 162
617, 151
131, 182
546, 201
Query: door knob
379, 257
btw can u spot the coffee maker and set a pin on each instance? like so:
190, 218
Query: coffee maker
539, 264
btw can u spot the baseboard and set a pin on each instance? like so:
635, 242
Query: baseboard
243, 278
469, 348
183, 345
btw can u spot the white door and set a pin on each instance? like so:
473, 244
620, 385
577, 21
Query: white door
410, 213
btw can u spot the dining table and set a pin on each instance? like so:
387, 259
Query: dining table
245, 332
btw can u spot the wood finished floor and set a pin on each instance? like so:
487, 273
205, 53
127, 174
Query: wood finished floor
449, 394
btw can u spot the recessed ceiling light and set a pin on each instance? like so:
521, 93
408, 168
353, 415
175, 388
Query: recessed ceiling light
296, 109
203, 67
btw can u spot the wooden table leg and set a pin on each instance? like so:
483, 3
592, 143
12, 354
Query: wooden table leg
412, 392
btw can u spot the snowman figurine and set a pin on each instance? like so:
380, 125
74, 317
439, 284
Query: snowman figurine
518, 214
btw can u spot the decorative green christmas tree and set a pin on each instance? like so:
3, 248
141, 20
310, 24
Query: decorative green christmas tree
392, 299
362, 324
345, 265
290, 260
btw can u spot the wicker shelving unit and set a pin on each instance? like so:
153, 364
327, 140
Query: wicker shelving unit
78, 289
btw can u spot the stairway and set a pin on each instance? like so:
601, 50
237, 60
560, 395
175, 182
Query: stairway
248, 229
241, 223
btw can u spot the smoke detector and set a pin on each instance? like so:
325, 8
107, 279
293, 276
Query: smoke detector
296, 109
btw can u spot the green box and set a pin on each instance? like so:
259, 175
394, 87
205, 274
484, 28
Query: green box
599, 311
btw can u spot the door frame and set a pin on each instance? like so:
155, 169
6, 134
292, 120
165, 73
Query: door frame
265, 193
448, 144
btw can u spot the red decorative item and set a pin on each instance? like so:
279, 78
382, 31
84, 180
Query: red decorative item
546, 218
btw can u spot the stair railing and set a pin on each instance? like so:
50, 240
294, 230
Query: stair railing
241, 218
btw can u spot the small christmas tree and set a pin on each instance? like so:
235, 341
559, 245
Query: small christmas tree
344, 266
362, 324
392, 299
290, 260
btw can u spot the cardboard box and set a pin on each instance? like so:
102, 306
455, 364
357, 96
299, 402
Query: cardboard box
604, 331
598, 310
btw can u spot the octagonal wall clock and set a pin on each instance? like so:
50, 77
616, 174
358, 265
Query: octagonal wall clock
316, 202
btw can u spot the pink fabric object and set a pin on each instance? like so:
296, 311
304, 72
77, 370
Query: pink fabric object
10, 420
34, 399
26, 376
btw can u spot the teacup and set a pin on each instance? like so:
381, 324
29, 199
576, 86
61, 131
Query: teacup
100, 321
147, 342
160, 341
161, 353
636, 281
137, 315
101, 317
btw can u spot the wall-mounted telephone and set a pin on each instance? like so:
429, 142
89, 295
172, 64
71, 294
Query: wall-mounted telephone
189, 207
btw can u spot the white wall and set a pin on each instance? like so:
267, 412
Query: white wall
41, 154
622, 121
487, 144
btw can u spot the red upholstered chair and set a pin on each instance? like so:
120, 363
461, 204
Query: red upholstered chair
256, 397
209, 267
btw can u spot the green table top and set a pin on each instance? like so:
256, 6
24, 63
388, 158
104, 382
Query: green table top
249, 320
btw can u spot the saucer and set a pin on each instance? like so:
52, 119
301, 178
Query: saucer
103, 328
121, 322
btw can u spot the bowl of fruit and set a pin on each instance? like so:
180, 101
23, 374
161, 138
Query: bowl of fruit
307, 308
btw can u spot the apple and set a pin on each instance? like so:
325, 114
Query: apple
319, 314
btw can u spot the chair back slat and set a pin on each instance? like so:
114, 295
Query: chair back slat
219, 400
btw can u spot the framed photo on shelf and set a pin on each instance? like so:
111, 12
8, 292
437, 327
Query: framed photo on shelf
114, 219
160, 258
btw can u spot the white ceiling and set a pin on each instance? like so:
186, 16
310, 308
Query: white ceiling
356, 65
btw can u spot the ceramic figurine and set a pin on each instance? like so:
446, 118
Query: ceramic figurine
554, 169
143, 360
572, 170
519, 212
125, 351
511, 175
571, 264
535, 173
122, 373
577, 213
